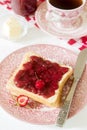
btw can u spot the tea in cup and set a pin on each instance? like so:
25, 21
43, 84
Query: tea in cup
65, 13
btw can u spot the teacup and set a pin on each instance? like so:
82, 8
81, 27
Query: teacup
65, 13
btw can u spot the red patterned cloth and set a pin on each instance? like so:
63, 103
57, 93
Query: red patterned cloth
6, 3
81, 42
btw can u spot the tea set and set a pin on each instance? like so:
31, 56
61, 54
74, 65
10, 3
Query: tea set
62, 23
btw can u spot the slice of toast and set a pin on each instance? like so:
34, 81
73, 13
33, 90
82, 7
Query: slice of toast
54, 100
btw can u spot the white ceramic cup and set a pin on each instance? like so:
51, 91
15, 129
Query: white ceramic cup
65, 18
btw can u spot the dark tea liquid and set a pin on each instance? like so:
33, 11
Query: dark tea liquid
66, 4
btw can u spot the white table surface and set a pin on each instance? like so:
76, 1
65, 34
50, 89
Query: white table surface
8, 122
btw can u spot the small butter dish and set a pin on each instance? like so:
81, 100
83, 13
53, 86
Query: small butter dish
14, 27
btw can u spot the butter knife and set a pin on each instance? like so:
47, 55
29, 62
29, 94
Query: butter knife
78, 71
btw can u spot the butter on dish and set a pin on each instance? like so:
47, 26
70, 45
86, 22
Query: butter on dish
12, 29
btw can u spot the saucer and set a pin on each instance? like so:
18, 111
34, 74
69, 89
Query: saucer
61, 32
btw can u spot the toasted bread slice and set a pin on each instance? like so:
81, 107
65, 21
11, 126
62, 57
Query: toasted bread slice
54, 100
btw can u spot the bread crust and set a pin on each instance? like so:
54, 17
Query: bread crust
53, 101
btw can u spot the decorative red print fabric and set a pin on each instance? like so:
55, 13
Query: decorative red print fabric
6, 3
80, 43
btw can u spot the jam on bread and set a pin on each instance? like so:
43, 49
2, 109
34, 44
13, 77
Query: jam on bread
40, 79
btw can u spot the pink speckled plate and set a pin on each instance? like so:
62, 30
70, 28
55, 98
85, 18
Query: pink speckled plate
40, 114
53, 28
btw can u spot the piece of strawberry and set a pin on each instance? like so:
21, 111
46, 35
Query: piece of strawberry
22, 100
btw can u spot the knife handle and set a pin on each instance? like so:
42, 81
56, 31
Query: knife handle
62, 116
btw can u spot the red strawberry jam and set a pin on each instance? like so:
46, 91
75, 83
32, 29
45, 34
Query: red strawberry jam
40, 76
24, 7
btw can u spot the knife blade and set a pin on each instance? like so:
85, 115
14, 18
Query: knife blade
78, 71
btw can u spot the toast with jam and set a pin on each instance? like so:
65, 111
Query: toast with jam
39, 79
